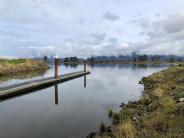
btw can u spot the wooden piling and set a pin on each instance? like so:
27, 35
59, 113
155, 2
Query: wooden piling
84, 65
56, 67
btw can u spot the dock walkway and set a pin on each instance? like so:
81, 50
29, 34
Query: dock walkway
26, 87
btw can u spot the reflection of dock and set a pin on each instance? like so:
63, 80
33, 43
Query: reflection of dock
20, 89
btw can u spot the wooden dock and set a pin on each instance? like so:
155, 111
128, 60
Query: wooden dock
27, 87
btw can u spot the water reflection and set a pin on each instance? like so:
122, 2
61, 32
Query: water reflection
128, 65
22, 75
72, 65
84, 81
56, 94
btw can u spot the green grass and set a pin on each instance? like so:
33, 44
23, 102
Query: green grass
13, 61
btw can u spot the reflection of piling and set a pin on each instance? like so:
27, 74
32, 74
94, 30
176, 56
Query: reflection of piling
84, 65
56, 67
56, 94
84, 81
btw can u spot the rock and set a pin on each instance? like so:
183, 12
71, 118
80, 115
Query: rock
92, 135
147, 102
171, 116
122, 105
134, 104
109, 129
135, 119
181, 100
181, 80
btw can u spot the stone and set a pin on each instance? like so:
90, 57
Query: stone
147, 102
181, 100
122, 105
171, 116
135, 119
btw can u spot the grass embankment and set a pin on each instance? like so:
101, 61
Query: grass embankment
8, 67
158, 114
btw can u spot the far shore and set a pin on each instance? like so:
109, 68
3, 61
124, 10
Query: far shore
122, 62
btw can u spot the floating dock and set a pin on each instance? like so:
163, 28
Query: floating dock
27, 87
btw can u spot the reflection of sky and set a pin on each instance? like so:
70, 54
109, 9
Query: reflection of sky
79, 111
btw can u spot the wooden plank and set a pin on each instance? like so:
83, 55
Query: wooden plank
28, 87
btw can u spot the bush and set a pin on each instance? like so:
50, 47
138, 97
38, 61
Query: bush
103, 128
116, 118
110, 113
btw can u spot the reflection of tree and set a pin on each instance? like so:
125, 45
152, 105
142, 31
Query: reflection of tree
22, 75
142, 65
72, 65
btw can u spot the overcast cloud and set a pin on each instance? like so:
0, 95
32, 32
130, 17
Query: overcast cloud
31, 28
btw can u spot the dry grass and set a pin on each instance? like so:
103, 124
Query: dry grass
20, 65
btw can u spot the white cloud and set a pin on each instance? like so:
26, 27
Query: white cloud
85, 28
110, 16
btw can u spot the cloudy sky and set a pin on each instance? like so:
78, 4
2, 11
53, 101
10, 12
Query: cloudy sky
30, 28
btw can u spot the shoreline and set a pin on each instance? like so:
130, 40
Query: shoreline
122, 62
16, 66
158, 113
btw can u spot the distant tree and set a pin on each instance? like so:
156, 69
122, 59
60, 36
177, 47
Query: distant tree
142, 58
45, 58
155, 58
172, 59
158, 58
179, 59
92, 59
74, 59
135, 59
134, 56
66, 59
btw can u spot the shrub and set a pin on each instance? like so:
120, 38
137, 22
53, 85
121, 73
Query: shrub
110, 113
116, 118
103, 128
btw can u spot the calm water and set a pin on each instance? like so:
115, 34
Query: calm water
71, 109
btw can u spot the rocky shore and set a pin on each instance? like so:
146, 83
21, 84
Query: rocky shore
10, 67
159, 113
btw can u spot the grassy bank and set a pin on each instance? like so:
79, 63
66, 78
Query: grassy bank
9, 67
158, 114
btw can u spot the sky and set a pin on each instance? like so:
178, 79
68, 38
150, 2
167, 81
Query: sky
84, 28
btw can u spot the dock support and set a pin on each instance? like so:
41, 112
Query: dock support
84, 65
56, 67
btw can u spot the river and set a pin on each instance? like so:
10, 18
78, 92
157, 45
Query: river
75, 108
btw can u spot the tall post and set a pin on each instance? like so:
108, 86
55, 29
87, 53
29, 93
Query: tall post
84, 65
56, 67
